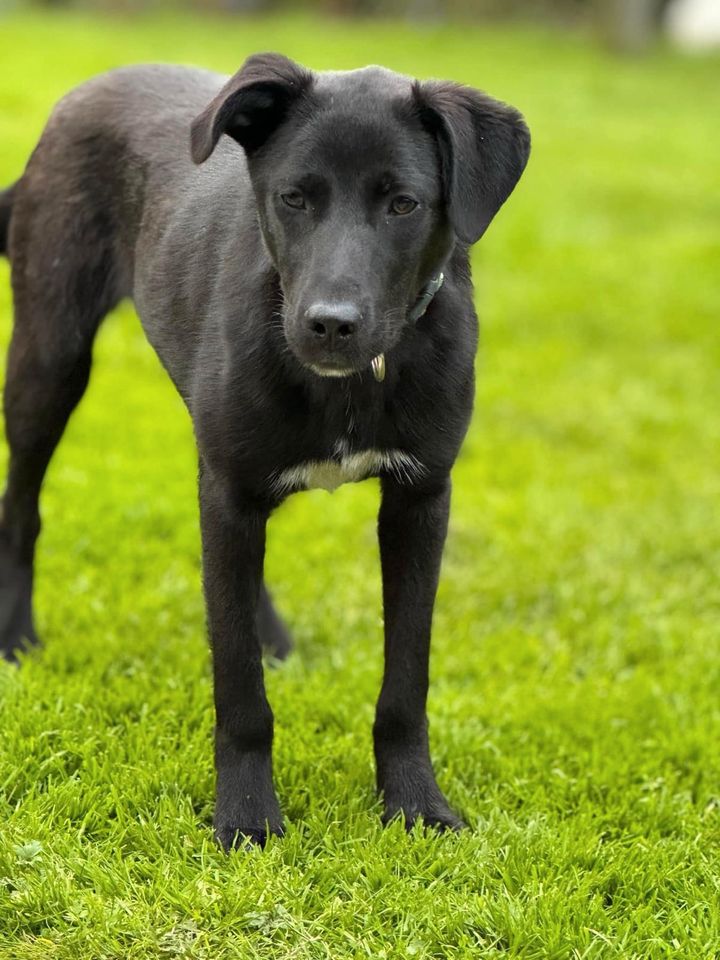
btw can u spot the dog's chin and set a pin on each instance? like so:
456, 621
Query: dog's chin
330, 370
331, 367
337, 368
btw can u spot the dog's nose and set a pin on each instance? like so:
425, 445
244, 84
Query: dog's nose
332, 323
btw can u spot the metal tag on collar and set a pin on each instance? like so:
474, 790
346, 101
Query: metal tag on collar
378, 367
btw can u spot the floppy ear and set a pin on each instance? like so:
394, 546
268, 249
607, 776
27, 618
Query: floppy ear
484, 146
250, 105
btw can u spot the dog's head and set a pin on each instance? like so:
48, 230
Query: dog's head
364, 182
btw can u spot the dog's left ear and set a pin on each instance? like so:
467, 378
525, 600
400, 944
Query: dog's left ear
484, 146
251, 105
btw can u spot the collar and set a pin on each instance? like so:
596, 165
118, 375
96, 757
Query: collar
417, 310
425, 298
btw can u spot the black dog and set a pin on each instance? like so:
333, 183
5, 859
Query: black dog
309, 294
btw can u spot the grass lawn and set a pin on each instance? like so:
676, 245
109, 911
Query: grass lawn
574, 707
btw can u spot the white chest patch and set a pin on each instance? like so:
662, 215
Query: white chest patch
348, 467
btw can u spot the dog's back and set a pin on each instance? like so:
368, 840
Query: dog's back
105, 147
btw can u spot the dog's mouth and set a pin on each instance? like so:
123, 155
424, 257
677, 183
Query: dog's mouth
377, 366
331, 370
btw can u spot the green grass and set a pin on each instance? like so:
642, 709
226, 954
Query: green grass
574, 706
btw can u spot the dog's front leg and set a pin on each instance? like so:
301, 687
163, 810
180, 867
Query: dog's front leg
412, 528
233, 535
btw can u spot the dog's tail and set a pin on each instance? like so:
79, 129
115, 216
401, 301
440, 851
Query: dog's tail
6, 205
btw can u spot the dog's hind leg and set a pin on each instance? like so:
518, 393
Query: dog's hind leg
63, 286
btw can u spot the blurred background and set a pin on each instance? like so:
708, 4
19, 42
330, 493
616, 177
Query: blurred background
626, 24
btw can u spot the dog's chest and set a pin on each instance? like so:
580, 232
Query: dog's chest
347, 466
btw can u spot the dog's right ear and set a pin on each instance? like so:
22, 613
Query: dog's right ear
483, 145
251, 104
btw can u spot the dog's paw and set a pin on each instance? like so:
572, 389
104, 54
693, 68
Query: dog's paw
276, 642
13, 642
17, 633
241, 824
411, 794
234, 836
275, 637
247, 811
437, 816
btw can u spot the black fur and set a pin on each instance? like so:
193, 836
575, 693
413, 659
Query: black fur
268, 275
5, 211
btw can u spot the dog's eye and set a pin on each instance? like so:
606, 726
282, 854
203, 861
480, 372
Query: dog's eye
402, 205
293, 199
